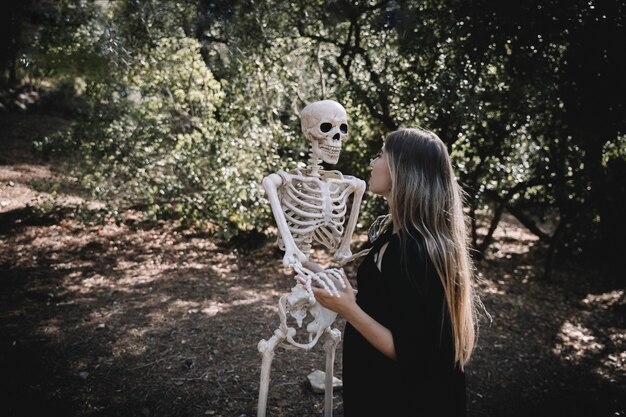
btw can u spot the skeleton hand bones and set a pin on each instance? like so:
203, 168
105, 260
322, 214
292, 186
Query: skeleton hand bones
327, 278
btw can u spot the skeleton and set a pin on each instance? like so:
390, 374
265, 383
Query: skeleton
310, 206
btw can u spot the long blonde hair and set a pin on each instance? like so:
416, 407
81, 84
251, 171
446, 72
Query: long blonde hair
426, 197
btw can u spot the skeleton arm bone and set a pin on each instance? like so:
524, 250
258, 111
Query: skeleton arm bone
293, 255
312, 266
343, 253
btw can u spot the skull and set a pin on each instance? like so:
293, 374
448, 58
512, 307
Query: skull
325, 124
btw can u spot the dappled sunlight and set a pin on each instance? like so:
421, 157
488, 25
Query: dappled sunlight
576, 342
102, 315
213, 309
506, 249
510, 229
126, 284
132, 344
244, 294
52, 327
225, 269
509, 239
487, 283
129, 304
613, 365
17, 191
96, 281
525, 272
182, 305
238, 297
604, 300
146, 276
489, 287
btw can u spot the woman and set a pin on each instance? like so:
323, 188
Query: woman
410, 330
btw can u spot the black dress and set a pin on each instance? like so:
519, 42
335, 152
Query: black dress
408, 299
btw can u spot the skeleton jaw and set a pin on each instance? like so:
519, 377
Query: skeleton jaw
329, 153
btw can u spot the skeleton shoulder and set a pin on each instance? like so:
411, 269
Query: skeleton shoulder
273, 180
356, 182
287, 176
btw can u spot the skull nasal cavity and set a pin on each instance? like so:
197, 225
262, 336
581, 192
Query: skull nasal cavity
337, 136
325, 127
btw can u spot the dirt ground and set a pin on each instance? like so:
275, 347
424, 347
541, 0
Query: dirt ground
140, 319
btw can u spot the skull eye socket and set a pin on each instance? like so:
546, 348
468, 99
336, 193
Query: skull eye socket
343, 128
325, 127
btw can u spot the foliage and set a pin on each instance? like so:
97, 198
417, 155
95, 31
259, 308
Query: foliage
152, 138
193, 102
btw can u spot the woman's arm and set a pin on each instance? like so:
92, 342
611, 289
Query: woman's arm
378, 335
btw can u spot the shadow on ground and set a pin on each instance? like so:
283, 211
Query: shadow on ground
135, 319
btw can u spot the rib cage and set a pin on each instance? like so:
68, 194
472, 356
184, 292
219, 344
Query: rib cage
315, 209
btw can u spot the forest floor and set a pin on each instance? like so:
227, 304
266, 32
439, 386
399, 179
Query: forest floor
99, 318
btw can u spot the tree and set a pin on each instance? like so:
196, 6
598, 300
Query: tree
509, 88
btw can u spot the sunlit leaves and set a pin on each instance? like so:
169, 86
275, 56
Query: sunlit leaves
194, 102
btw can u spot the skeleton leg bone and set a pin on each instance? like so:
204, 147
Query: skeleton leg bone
332, 336
321, 326
266, 348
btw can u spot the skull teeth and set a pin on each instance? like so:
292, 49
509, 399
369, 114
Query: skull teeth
330, 149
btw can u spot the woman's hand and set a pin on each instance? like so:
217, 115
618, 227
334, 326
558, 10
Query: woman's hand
345, 304
378, 335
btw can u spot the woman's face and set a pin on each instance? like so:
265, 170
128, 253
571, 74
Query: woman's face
380, 179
